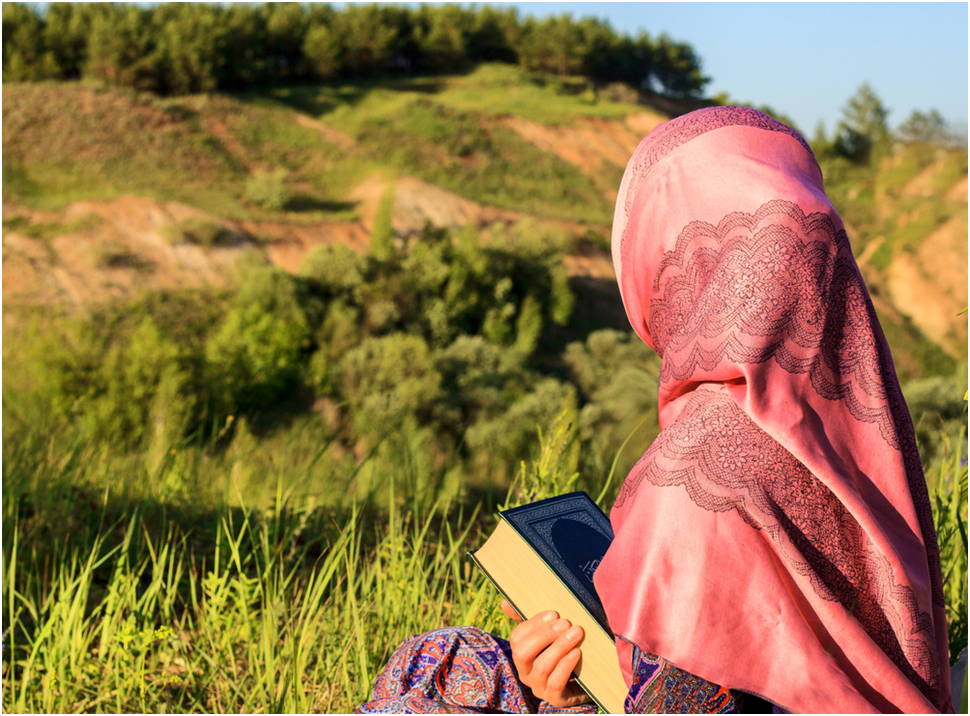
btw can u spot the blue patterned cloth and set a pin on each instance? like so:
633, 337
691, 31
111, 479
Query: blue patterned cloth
465, 670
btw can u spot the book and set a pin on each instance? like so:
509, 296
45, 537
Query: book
542, 556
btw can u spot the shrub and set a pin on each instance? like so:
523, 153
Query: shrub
255, 357
337, 269
506, 437
388, 379
267, 190
199, 232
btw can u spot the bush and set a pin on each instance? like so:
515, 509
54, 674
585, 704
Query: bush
337, 269
507, 437
388, 379
255, 357
267, 190
199, 232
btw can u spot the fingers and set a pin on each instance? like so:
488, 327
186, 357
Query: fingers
554, 663
534, 636
558, 686
509, 611
545, 651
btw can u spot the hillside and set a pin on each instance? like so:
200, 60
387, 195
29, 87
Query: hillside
109, 192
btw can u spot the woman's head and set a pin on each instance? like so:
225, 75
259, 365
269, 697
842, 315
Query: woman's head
732, 263
701, 167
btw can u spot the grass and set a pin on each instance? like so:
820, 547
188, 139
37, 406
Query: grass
64, 142
147, 603
458, 146
492, 90
278, 571
153, 601
488, 163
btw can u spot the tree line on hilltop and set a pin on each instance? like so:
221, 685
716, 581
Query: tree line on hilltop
183, 48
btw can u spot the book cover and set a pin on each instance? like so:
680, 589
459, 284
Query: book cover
571, 534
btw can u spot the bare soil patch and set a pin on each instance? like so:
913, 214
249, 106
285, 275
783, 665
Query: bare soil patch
588, 142
930, 286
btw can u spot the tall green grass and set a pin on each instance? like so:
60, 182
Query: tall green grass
286, 609
142, 604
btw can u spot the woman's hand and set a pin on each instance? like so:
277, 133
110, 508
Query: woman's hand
545, 651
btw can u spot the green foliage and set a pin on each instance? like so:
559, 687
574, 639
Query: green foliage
389, 379
617, 374
135, 580
128, 392
374, 337
120, 597
200, 232
255, 355
528, 325
506, 437
553, 471
677, 69
65, 142
267, 190
863, 132
336, 269
938, 411
925, 128
24, 55
17, 183
183, 48
477, 380
382, 237
322, 48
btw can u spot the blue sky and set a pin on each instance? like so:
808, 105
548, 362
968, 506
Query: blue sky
807, 59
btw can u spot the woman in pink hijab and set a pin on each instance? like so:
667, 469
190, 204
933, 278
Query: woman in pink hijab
777, 536
775, 545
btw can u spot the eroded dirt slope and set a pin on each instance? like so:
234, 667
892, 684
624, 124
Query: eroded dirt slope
115, 249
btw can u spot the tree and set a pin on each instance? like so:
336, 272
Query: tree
863, 134
322, 48
441, 34
66, 29
493, 36
553, 45
286, 29
381, 245
677, 68
122, 49
24, 56
925, 128
246, 61
191, 42
368, 41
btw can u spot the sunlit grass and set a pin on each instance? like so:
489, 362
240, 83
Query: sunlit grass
287, 608
493, 90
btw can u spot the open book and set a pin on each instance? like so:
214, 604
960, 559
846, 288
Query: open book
542, 556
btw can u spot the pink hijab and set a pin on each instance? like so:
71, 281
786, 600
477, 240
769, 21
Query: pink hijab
777, 536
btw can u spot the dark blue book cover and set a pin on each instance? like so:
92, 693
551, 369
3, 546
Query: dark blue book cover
571, 534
